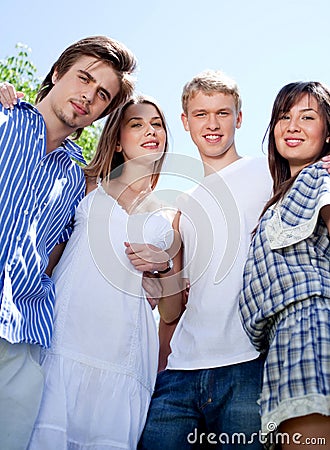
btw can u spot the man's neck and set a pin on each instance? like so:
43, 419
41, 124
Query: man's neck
212, 165
55, 134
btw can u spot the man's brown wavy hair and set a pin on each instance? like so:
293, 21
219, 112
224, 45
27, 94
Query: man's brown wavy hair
104, 49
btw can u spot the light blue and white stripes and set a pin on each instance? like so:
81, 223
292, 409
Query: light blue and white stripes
38, 197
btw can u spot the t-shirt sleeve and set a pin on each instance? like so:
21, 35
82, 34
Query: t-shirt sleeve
165, 234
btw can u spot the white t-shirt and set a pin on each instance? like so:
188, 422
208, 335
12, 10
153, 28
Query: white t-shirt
216, 224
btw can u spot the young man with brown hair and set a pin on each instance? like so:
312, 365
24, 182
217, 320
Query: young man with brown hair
40, 188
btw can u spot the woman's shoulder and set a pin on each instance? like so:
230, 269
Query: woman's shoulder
295, 216
310, 183
314, 170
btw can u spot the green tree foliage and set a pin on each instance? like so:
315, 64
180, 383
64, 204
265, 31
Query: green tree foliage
22, 73
89, 139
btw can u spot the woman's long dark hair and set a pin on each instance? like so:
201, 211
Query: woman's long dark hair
287, 97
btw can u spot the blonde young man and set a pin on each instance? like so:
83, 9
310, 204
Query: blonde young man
40, 188
208, 393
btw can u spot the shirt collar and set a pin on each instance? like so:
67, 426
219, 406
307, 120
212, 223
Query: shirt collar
73, 149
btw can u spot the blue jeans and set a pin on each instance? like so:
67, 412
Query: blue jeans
206, 408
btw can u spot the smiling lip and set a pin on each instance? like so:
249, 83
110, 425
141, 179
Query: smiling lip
150, 144
293, 142
212, 138
79, 108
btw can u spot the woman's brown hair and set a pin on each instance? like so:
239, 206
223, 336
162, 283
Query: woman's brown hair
287, 97
107, 161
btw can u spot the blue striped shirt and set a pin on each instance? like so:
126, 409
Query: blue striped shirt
39, 193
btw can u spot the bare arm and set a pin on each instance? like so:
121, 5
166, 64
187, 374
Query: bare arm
54, 257
166, 330
153, 288
325, 214
148, 258
170, 305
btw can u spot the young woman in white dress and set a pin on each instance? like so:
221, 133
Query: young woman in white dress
101, 368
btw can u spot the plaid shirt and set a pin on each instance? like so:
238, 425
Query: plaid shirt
289, 257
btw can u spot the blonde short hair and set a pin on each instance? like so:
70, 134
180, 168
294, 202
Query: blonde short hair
210, 82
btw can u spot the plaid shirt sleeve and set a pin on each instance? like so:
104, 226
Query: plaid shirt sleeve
285, 242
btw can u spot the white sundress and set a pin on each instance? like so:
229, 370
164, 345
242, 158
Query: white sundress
101, 368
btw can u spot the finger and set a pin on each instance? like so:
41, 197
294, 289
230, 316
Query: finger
143, 268
135, 247
136, 261
152, 292
131, 256
4, 98
129, 251
8, 95
152, 289
141, 265
152, 302
149, 286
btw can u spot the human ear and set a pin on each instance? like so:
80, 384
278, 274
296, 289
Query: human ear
118, 147
184, 120
327, 140
239, 120
55, 76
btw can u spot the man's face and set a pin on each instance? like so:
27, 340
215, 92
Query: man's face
82, 94
212, 121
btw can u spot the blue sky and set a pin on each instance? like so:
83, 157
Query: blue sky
261, 44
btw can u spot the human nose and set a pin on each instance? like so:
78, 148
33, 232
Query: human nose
293, 124
213, 122
88, 95
150, 130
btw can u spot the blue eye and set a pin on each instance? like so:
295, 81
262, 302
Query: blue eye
102, 96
